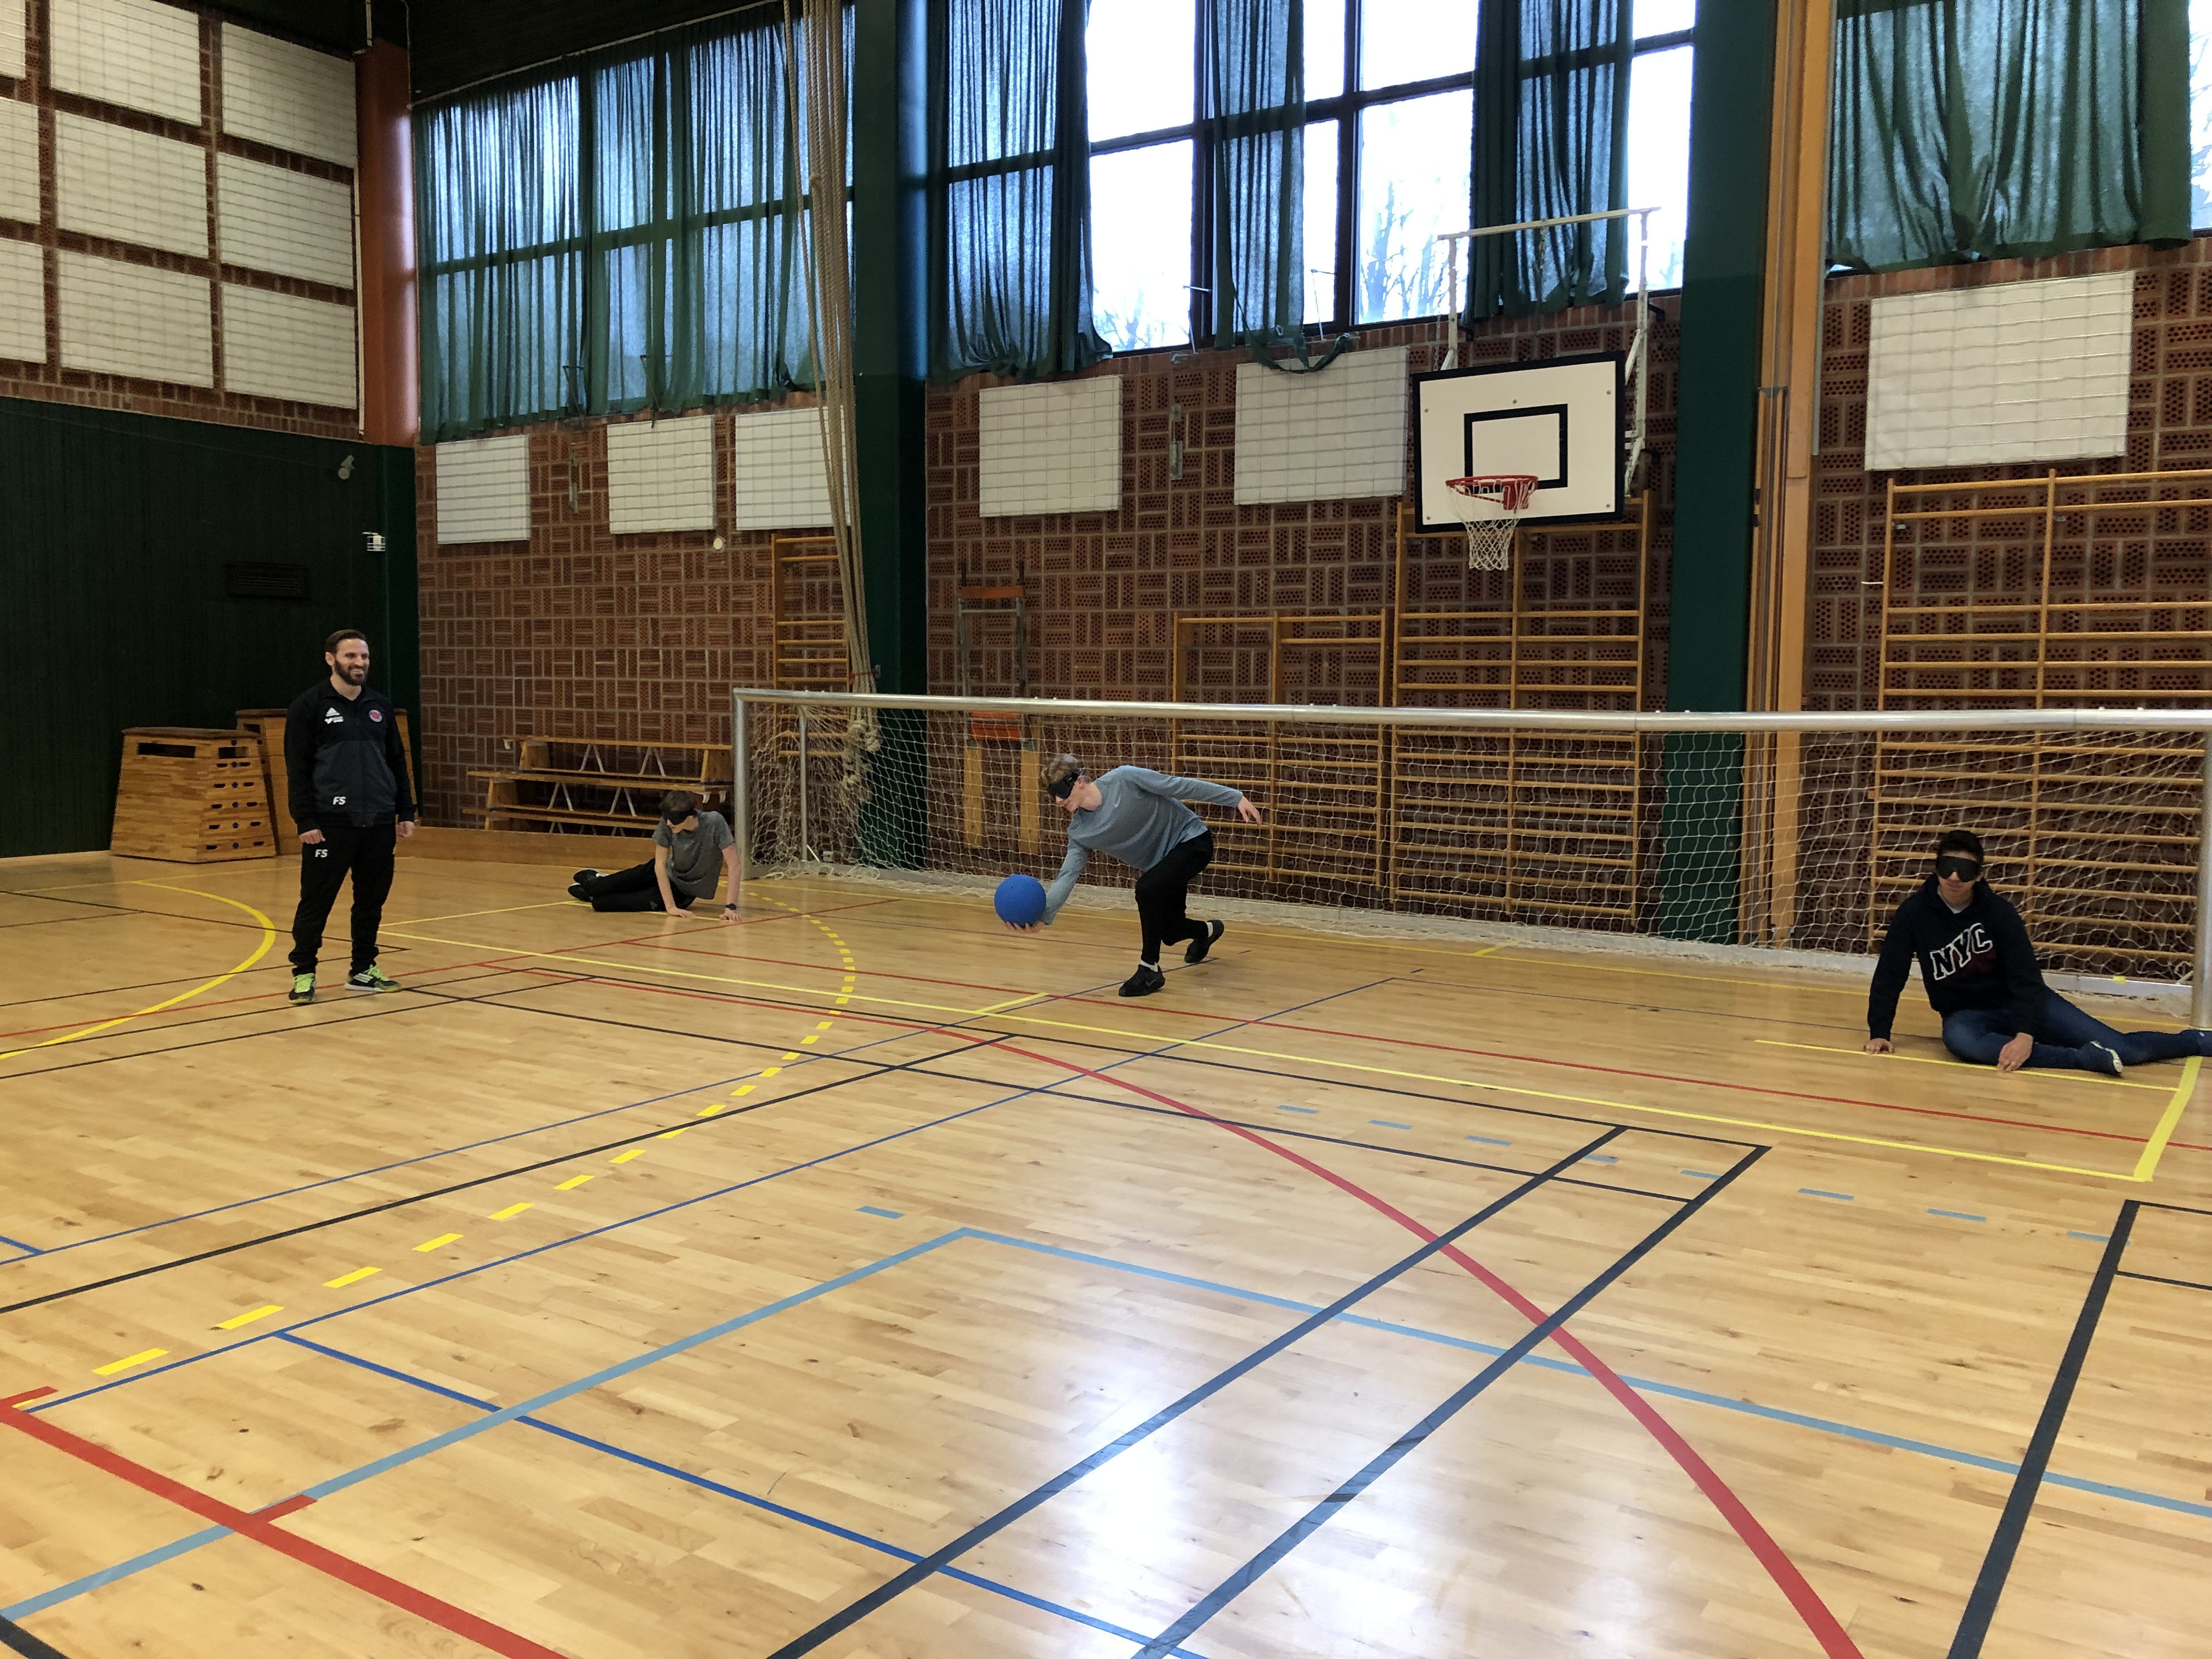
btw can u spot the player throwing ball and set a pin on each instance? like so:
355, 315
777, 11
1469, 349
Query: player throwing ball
1138, 816
1981, 976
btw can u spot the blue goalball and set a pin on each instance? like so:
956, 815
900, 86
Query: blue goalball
1019, 901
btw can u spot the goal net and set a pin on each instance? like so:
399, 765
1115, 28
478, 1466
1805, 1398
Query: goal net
1793, 831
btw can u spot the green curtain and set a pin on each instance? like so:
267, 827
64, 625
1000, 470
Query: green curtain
1257, 98
1009, 188
624, 235
1551, 140
1998, 128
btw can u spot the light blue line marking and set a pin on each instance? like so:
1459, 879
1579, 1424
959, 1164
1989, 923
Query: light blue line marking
1814, 1192
888, 1215
1489, 1140
1958, 1215
18, 1244
1309, 1111
1385, 1123
2094, 1238
1701, 1175
93, 1580
1595, 1158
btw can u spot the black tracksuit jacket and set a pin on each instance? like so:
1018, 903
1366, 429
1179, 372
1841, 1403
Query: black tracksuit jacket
345, 759
1977, 957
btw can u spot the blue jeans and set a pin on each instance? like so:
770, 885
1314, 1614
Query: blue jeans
1975, 1035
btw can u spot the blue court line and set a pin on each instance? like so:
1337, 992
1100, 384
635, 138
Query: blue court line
1309, 1111
1701, 1175
1385, 1123
1958, 1215
888, 1215
1489, 1140
1814, 1192
1601, 1160
93, 1580
2094, 1238
17, 1243
749, 1499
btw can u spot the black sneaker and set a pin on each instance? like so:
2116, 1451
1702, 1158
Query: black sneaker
578, 893
583, 876
2101, 1057
371, 978
1146, 979
303, 988
1199, 947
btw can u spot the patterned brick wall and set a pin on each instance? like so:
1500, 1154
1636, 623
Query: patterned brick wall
43, 376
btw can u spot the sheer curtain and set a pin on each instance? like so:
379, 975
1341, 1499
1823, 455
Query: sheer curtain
1257, 98
1551, 140
1997, 128
1009, 188
624, 237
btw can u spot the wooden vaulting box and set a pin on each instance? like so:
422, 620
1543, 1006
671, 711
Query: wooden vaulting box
192, 796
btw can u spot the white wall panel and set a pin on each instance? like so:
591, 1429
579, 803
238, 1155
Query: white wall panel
1054, 447
12, 24
278, 345
132, 52
273, 219
22, 301
483, 489
289, 97
780, 481
660, 476
1338, 435
120, 318
133, 187
19, 159
2032, 371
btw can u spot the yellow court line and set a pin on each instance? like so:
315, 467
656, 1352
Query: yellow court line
353, 1278
503, 910
509, 1213
127, 1362
237, 1320
2041, 1074
268, 938
2155, 1148
432, 1243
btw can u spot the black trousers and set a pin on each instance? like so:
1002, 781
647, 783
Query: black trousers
1161, 892
633, 889
363, 851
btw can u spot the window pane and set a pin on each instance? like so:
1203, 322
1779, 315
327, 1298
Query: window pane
1140, 246
1659, 156
1413, 186
2200, 111
1325, 48
1142, 55
1321, 220
1402, 40
1664, 18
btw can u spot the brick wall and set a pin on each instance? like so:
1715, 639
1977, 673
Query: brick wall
31, 289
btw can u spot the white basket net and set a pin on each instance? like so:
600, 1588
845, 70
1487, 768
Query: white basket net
1490, 510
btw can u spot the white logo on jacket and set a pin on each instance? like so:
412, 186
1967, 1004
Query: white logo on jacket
1961, 950
332, 717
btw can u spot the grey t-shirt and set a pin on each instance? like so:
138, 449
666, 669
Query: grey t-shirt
695, 856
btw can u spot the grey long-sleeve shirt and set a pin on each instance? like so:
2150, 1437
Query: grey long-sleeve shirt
1141, 819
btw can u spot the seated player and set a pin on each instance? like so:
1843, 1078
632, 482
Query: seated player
690, 850
1980, 972
1138, 816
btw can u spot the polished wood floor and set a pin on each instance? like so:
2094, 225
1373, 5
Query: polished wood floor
855, 1279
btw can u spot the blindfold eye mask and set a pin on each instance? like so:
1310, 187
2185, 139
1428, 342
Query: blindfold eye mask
1958, 868
1061, 788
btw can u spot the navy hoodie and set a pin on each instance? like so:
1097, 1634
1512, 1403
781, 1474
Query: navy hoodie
1976, 958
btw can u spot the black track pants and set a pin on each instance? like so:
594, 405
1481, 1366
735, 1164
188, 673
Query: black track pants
365, 852
1161, 891
633, 888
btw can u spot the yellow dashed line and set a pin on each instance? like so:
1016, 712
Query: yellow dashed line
353, 1278
624, 1157
789, 1056
770, 1070
571, 1184
825, 1025
670, 1134
509, 1213
811, 1038
743, 1089
433, 1243
710, 1111
237, 1320
125, 1364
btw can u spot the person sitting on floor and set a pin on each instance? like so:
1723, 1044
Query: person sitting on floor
690, 850
1981, 976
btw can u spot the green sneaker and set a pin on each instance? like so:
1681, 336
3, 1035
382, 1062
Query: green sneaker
371, 978
303, 987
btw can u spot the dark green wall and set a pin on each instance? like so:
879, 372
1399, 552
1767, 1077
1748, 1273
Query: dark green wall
115, 532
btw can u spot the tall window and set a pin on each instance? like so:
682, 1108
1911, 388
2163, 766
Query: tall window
2200, 113
1387, 151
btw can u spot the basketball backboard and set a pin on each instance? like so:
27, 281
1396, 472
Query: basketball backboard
1560, 420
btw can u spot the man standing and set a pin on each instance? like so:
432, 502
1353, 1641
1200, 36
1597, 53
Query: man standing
692, 850
351, 798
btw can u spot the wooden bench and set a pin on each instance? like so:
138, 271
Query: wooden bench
598, 783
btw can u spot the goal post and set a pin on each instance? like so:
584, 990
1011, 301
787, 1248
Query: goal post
1452, 819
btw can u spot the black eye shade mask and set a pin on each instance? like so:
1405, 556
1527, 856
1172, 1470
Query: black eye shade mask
1061, 788
1961, 869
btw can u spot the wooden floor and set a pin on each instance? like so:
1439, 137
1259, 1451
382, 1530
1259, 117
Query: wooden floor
854, 1279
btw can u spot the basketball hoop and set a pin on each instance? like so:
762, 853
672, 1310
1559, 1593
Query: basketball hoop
1491, 509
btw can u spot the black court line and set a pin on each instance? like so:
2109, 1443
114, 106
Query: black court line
930, 1564
19, 1640
1391, 1455
2159, 1278
2012, 1523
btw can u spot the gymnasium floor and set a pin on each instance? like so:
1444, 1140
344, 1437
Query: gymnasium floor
855, 1280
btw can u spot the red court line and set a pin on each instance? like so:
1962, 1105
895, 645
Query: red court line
1834, 1640
259, 1526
